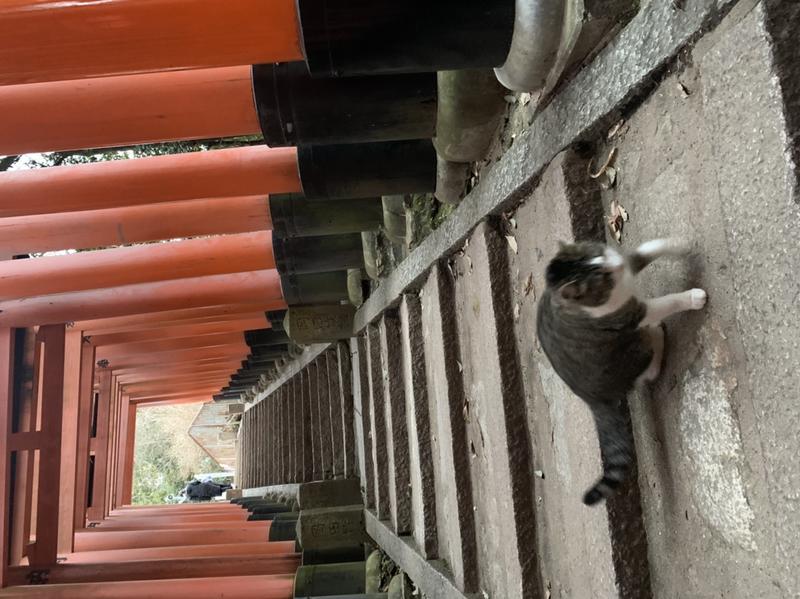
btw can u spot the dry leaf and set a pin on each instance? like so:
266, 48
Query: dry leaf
615, 129
684, 90
623, 213
539, 474
528, 285
512, 241
611, 155
516, 311
460, 367
510, 98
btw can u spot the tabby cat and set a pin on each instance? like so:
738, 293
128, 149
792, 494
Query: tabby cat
602, 340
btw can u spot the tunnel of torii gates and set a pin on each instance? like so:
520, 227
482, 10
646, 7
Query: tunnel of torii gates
187, 263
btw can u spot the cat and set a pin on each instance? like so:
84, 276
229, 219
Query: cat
602, 340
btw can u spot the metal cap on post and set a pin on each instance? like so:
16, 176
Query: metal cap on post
295, 216
367, 170
318, 288
368, 37
295, 108
299, 255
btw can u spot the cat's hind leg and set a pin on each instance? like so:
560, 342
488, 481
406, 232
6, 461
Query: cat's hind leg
656, 335
659, 308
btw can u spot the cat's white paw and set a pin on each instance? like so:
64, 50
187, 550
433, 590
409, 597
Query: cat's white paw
697, 299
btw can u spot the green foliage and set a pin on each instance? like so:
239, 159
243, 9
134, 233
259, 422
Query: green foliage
165, 457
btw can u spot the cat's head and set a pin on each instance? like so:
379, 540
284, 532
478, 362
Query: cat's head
585, 273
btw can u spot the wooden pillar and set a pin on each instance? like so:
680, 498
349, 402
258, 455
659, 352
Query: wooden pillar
130, 444
134, 224
227, 173
165, 568
217, 255
54, 41
144, 298
85, 417
100, 540
69, 438
99, 445
242, 587
6, 410
45, 548
128, 110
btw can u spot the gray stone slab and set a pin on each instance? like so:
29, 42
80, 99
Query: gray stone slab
275, 460
396, 428
348, 415
337, 431
423, 487
328, 528
329, 493
310, 353
431, 577
286, 436
268, 444
286, 493
377, 424
494, 410
308, 446
361, 406
316, 446
261, 448
455, 521
595, 98
297, 400
323, 393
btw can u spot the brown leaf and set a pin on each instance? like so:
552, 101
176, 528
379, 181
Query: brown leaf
615, 129
528, 285
512, 242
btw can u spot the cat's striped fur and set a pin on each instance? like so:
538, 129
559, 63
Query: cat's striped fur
601, 339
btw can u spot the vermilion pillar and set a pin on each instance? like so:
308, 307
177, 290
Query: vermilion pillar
50, 40
234, 172
151, 553
133, 224
241, 587
159, 569
158, 345
97, 540
128, 110
115, 267
215, 290
203, 315
178, 331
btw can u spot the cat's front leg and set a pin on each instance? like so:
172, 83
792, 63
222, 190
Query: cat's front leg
660, 308
657, 248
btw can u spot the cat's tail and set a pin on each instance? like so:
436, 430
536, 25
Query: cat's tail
616, 449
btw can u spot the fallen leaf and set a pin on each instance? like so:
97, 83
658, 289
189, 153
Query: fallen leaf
611, 155
611, 175
623, 213
524, 98
460, 367
615, 129
516, 311
472, 450
528, 285
539, 474
510, 98
684, 90
512, 241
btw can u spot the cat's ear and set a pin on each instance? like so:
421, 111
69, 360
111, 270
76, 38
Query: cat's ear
570, 291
